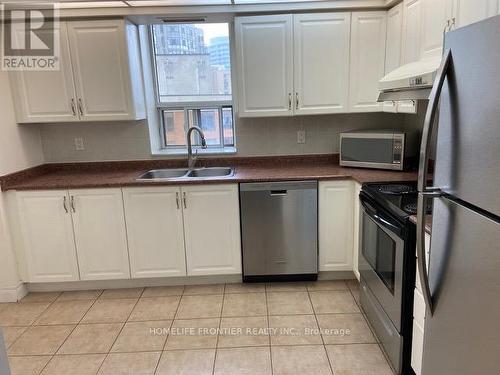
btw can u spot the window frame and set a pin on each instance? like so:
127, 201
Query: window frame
193, 105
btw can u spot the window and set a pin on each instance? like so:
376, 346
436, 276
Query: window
193, 83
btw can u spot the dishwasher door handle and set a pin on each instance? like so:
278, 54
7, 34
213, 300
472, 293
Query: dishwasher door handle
278, 193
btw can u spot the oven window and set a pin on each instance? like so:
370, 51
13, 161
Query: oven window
379, 250
372, 150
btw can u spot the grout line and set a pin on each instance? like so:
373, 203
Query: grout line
220, 324
269, 331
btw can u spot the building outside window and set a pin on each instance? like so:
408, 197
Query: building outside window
193, 83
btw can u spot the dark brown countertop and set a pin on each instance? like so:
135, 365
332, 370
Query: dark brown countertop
260, 169
428, 222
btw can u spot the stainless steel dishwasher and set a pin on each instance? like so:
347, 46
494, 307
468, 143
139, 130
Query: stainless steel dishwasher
279, 223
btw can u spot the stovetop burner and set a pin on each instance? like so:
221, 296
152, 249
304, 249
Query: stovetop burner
411, 208
395, 189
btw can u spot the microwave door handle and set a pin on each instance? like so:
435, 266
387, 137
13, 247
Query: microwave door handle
429, 121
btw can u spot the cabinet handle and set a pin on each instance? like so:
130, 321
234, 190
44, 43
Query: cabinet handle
80, 106
177, 200
297, 100
289, 100
72, 203
184, 200
65, 204
73, 109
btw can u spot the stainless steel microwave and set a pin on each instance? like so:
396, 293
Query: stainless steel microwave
381, 149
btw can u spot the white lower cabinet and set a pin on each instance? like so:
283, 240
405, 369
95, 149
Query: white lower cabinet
212, 229
47, 236
155, 231
100, 236
335, 225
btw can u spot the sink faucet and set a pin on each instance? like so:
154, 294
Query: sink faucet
191, 158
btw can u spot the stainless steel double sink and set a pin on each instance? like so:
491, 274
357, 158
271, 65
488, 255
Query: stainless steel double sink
184, 173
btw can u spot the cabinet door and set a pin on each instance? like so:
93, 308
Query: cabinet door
100, 236
435, 15
470, 11
46, 96
264, 64
321, 62
47, 233
335, 226
155, 231
368, 32
393, 46
212, 229
101, 70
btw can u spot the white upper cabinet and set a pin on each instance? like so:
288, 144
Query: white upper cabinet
321, 62
212, 229
155, 231
100, 77
336, 234
47, 236
412, 20
42, 96
100, 237
393, 46
435, 16
103, 70
368, 34
470, 11
264, 65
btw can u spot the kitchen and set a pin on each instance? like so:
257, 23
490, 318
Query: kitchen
249, 187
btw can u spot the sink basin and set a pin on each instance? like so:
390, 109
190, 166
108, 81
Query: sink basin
163, 174
210, 172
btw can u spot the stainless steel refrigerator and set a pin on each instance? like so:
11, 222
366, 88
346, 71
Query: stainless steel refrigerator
462, 284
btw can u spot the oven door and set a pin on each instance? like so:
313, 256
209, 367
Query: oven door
381, 259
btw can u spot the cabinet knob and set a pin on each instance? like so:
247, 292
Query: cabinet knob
72, 203
184, 199
177, 200
289, 100
80, 106
65, 204
73, 108
297, 100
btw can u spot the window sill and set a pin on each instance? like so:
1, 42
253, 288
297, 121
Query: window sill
208, 151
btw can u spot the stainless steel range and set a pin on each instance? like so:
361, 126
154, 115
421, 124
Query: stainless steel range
387, 266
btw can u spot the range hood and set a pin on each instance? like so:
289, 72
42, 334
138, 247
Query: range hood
412, 81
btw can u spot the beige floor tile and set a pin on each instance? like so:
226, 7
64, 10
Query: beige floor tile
41, 340
21, 314
28, 365
243, 361
345, 329
286, 287
193, 333
65, 312
11, 334
294, 330
163, 291
283, 303
354, 288
91, 339
200, 307
41, 297
77, 295
245, 288
110, 311
83, 364
191, 290
122, 293
246, 331
130, 364
187, 362
142, 336
326, 285
244, 304
304, 360
155, 308
361, 359
333, 302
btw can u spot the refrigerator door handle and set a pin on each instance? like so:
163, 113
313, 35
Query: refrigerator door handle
429, 121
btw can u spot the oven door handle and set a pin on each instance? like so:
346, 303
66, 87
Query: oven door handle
371, 212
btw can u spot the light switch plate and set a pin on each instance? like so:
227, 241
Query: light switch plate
79, 146
301, 136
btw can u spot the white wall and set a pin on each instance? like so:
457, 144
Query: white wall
254, 137
20, 148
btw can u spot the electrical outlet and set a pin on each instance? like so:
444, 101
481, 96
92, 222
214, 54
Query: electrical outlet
301, 136
79, 146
